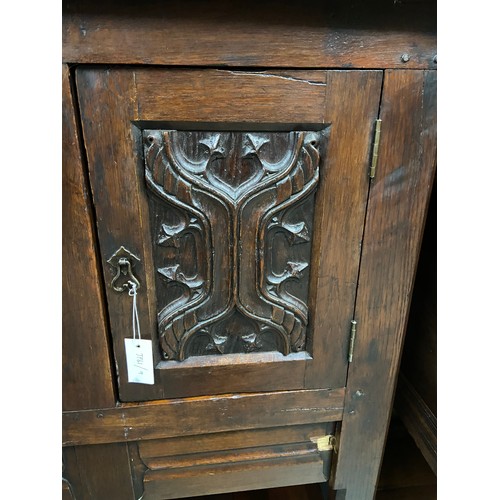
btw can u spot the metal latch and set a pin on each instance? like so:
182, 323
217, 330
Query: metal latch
325, 443
123, 262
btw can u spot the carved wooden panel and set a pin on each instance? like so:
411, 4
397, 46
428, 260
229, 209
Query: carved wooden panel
231, 217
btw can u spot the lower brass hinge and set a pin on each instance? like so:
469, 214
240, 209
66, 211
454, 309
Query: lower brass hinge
376, 143
352, 340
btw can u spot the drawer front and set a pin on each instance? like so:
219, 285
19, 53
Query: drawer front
230, 461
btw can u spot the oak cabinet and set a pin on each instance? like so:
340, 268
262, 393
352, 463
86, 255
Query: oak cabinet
235, 211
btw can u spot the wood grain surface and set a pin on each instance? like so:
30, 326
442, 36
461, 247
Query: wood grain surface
99, 472
344, 34
342, 105
233, 440
86, 367
351, 109
181, 483
190, 416
396, 212
107, 98
257, 98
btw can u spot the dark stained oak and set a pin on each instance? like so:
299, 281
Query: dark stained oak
187, 482
223, 184
189, 416
99, 472
252, 99
351, 107
343, 34
227, 146
396, 212
116, 195
241, 202
232, 461
232, 440
86, 368
404, 475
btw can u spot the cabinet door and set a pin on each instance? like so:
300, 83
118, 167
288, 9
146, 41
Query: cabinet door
237, 202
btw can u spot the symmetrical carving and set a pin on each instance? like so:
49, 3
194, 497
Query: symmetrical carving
232, 221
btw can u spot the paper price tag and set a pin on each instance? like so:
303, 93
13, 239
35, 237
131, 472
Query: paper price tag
139, 354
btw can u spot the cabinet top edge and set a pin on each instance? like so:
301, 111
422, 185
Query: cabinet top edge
252, 35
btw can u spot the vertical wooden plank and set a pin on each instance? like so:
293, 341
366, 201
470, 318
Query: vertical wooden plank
104, 472
396, 213
67, 492
86, 371
352, 106
108, 107
70, 473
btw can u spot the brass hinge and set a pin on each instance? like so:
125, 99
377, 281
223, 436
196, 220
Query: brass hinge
325, 443
351, 340
376, 142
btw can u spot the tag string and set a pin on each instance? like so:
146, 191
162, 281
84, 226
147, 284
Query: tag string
136, 327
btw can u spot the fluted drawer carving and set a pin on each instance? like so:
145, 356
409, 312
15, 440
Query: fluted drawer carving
232, 218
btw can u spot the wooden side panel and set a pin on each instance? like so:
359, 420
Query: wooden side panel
343, 34
419, 359
185, 417
100, 472
396, 213
416, 395
352, 106
86, 372
418, 419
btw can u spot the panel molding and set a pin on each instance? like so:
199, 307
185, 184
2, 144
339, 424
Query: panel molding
228, 285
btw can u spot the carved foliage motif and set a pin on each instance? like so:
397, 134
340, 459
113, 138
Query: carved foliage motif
232, 216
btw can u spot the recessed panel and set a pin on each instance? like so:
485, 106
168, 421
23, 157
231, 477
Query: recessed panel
231, 219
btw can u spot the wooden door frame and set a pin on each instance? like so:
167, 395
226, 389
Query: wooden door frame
344, 103
397, 208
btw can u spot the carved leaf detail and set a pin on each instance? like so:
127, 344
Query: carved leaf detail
222, 206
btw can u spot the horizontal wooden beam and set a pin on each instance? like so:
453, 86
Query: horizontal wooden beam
184, 417
382, 34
